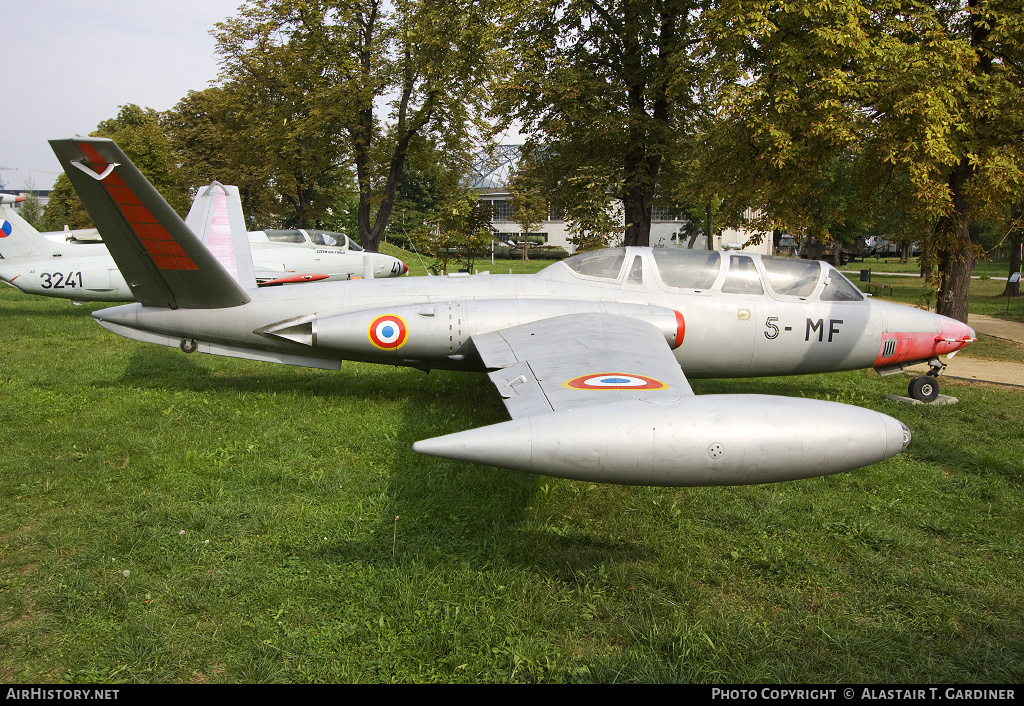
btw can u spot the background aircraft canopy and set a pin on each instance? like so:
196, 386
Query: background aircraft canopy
316, 237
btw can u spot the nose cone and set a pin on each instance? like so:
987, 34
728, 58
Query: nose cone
956, 334
387, 266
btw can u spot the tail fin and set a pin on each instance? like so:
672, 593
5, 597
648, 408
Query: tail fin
216, 217
18, 239
164, 262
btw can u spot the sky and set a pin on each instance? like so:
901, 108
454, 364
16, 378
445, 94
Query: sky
70, 64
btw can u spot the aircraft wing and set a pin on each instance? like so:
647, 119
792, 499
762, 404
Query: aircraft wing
163, 261
568, 362
601, 398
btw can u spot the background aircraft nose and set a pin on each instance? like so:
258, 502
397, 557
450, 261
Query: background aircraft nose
387, 266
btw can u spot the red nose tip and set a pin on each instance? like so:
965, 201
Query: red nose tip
956, 333
405, 268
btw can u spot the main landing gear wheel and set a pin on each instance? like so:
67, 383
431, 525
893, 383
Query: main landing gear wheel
188, 345
924, 388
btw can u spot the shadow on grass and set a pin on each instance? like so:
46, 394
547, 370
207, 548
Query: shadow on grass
445, 512
449, 512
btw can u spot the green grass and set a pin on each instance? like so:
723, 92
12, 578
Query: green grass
173, 518
984, 295
418, 264
982, 268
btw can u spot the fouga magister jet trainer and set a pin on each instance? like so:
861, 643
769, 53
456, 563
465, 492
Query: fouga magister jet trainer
588, 355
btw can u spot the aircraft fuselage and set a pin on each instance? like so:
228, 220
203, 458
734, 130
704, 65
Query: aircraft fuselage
429, 322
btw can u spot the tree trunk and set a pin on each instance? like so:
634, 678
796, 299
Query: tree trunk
1016, 250
956, 252
709, 231
642, 175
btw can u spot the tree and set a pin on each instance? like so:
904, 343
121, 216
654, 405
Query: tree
425, 185
31, 209
214, 143
461, 229
1016, 247
318, 72
281, 101
64, 208
930, 91
529, 203
138, 133
590, 82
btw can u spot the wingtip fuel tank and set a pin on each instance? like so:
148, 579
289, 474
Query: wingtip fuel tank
691, 441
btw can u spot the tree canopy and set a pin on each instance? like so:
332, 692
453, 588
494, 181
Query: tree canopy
927, 95
825, 118
140, 136
331, 91
590, 81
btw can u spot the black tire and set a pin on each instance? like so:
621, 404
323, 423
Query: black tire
924, 388
188, 345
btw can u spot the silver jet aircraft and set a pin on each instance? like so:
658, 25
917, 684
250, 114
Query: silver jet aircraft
76, 265
588, 355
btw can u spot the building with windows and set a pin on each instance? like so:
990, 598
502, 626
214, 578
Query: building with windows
490, 180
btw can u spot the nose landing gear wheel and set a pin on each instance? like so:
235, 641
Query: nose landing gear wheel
924, 388
188, 345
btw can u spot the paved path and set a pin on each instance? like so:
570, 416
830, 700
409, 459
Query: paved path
999, 328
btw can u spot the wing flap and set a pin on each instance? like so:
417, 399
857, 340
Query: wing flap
520, 391
573, 361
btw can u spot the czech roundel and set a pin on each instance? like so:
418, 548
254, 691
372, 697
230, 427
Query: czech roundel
614, 381
388, 332
5, 229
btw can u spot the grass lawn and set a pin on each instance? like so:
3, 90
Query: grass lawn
984, 295
173, 518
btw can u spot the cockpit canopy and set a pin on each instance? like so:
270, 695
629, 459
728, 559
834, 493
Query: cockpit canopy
314, 237
701, 271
